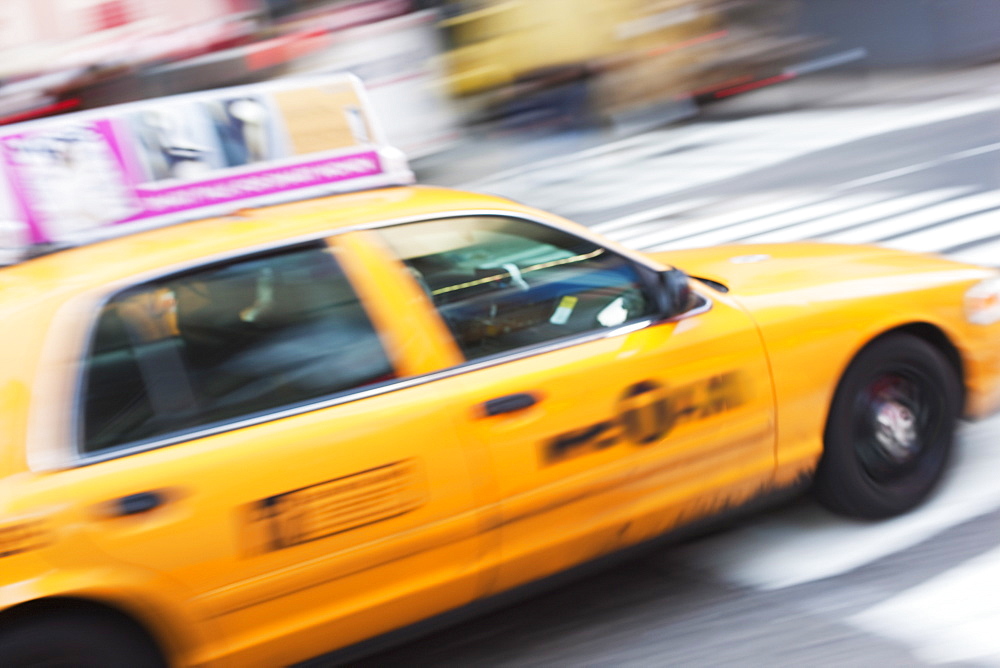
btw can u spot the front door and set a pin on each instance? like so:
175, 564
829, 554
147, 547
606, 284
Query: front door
601, 421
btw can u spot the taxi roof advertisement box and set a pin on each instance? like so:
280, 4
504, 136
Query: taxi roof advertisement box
97, 174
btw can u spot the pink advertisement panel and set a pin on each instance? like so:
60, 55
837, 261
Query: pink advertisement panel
88, 175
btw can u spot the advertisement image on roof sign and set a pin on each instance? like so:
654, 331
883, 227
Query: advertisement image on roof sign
91, 175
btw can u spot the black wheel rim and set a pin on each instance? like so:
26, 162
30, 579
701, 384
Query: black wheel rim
898, 419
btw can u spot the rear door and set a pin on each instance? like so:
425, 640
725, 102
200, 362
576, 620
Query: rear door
252, 439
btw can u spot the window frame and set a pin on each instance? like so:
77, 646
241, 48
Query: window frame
646, 277
71, 449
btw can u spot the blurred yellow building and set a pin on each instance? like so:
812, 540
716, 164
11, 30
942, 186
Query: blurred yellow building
635, 52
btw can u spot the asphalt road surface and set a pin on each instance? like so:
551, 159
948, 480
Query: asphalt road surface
792, 586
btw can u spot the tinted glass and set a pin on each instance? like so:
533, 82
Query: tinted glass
503, 283
226, 342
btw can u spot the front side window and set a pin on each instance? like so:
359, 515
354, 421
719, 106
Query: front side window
226, 342
503, 283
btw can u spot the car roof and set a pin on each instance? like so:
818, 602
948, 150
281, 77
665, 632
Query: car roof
160, 249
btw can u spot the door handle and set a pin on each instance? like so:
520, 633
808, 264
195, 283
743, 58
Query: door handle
136, 504
509, 403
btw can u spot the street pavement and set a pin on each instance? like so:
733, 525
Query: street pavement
793, 586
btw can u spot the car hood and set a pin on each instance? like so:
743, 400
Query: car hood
751, 270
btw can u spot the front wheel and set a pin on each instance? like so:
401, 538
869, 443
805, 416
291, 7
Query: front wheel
890, 429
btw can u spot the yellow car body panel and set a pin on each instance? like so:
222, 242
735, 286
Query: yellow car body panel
818, 304
280, 538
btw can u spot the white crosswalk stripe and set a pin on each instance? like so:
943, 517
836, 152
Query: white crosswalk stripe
816, 211
649, 214
864, 214
986, 253
937, 220
951, 618
645, 238
945, 211
948, 235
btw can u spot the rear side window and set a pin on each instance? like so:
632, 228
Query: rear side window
224, 343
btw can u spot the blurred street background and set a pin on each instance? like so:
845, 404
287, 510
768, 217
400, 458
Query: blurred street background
662, 124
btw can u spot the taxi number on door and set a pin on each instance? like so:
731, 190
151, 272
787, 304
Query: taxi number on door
646, 412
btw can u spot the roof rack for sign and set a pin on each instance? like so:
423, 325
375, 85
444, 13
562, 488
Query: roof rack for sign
92, 175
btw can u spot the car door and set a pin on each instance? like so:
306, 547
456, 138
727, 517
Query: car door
602, 420
252, 440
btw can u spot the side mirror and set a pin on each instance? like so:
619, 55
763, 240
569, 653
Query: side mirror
675, 293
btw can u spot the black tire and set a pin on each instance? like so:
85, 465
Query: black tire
76, 639
890, 430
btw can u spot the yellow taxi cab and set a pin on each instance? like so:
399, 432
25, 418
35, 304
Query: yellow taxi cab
259, 437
